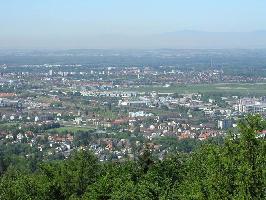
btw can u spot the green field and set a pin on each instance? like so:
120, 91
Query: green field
9, 125
70, 129
223, 88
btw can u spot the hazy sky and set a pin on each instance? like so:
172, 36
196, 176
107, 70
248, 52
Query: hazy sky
93, 23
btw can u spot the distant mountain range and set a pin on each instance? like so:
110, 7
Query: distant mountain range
187, 39
202, 39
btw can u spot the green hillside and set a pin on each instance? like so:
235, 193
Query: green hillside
234, 169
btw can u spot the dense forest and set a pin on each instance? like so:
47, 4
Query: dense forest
233, 169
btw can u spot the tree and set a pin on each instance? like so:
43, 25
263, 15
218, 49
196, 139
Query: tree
73, 176
251, 166
145, 160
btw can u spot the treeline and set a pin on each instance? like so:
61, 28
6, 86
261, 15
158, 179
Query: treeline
234, 169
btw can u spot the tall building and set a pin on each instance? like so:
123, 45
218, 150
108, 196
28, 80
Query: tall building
225, 124
50, 72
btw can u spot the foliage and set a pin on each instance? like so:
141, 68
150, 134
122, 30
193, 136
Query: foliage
231, 169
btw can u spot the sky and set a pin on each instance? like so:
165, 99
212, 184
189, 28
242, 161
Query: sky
119, 23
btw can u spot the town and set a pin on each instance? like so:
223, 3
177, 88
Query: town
115, 112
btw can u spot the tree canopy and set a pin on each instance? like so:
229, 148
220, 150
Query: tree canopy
234, 169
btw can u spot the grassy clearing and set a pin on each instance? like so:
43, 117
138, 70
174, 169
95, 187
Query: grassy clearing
69, 129
9, 125
225, 88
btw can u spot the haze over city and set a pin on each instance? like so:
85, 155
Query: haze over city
132, 24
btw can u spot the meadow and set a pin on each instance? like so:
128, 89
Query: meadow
221, 88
